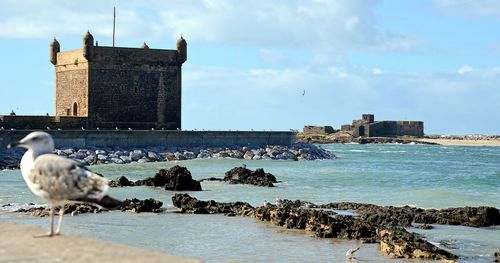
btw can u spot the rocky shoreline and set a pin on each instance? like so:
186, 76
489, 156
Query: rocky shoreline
347, 138
9, 159
369, 223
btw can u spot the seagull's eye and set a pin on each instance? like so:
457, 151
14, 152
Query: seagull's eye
35, 139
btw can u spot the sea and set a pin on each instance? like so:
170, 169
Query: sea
427, 176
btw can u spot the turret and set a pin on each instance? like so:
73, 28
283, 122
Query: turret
88, 46
54, 49
181, 50
144, 45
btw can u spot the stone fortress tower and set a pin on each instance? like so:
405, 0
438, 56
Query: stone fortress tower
138, 88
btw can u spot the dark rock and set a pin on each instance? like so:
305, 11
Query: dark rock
134, 205
77, 208
138, 206
121, 181
395, 242
403, 216
426, 227
176, 178
399, 243
242, 175
191, 205
497, 256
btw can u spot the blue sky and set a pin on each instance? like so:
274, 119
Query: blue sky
250, 61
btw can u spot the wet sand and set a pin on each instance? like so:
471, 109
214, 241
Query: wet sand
464, 142
17, 244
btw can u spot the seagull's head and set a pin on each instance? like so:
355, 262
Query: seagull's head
35, 141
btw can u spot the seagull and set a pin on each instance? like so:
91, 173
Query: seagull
83, 128
350, 253
116, 128
59, 180
48, 128
278, 202
266, 203
59, 129
97, 128
129, 129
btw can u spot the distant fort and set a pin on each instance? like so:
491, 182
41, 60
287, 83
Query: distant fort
112, 87
368, 127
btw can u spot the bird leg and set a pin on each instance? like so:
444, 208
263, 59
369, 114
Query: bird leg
51, 233
59, 222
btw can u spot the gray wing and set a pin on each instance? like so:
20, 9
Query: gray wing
59, 178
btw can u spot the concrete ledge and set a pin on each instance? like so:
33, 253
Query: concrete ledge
149, 138
18, 245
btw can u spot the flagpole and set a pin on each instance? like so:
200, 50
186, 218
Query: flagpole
114, 19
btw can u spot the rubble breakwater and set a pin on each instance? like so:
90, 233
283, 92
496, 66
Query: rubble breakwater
9, 159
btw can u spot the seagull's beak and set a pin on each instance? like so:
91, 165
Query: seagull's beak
12, 145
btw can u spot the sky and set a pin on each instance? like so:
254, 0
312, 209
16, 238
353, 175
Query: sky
280, 65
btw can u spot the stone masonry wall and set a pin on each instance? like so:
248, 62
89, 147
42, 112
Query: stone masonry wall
71, 84
129, 86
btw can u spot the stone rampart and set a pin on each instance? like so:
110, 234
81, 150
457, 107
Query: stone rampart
148, 138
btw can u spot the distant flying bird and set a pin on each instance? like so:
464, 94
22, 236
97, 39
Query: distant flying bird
59, 180
303, 93
350, 253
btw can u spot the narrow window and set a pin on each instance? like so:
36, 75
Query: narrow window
75, 109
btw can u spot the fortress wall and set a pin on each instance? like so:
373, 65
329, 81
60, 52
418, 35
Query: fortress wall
145, 138
41, 122
381, 129
411, 128
128, 85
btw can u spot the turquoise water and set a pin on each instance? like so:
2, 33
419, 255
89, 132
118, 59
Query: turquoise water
419, 175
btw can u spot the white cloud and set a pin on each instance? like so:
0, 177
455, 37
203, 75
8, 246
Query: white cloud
465, 69
377, 71
342, 25
470, 7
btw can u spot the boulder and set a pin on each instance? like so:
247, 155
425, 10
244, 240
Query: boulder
138, 206
242, 175
121, 181
399, 243
176, 178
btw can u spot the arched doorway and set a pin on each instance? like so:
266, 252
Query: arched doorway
75, 109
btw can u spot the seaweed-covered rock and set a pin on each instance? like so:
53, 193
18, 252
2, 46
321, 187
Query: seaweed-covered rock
399, 243
404, 216
177, 178
133, 205
121, 181
242, 175
74, 209
138, 206
191, 205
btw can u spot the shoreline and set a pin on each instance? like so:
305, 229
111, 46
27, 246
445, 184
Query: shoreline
18, 245
463, 142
